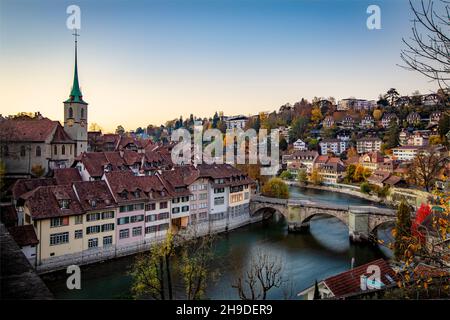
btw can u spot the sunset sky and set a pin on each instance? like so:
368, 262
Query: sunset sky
146, 62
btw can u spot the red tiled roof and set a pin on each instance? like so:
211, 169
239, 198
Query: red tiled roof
66, 175
24, 235
43, 202
23, 186
378, 176
123, 184
30, 130
97, 191
61, 136
349, 282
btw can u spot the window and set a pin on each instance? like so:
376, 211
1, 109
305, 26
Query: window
55, 150
246, 195
163, 205
137, 218
64, 204
92, 229
163, 227
125, 233
185, 199
70, 112
59, 238
163, 215
185, 208
108, 215
59, 222
38, 151
63, 149
150, 206
219, 190
93, 243
150, 218
151, 229
219, 201
107, 241
123, 220
193, 187
193, 197
93, 216
203, 196
78, 234
137, 231
175, 200
108, 227
176, 210
79, 219
82, 113
22, 151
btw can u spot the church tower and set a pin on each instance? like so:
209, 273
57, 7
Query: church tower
76, 112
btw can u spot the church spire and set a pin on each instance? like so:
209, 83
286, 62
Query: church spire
75, 94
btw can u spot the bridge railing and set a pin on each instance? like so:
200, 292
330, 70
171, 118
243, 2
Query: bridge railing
323, 205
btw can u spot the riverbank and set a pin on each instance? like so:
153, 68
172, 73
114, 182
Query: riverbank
344, 190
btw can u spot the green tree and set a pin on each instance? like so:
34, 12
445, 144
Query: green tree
402, 230
120, 130
444, 124
283, 144
365, 188
302, 176
276, 188
391, 138
298, 128
391, 95
286, 175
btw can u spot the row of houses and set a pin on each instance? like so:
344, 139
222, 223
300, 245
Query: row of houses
72, 216
331, 170
428, 100
348, 121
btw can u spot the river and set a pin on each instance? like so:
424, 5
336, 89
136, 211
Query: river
323, 251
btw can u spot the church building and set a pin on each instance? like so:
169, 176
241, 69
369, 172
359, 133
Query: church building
32, 146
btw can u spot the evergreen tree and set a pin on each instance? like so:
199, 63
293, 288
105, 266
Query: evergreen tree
391, 137
402, 231
215, 120
317, 295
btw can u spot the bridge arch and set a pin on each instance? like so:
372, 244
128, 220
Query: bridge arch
343, 218
268, 211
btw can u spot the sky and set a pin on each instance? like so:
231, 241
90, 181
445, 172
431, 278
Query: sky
146, 62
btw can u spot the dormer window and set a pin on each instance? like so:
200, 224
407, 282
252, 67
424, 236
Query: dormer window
93, 203
64, 204
124, 194
137, 194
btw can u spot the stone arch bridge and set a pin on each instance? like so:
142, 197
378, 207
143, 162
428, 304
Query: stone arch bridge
362, 221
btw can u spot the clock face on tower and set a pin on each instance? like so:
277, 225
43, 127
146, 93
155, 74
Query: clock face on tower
70, 122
